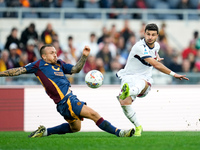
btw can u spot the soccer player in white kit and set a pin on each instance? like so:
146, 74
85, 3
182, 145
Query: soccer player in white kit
136, 77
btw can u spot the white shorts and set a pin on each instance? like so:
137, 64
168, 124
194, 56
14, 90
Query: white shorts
136, 81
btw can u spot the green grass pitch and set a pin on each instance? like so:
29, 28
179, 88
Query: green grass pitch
101, 141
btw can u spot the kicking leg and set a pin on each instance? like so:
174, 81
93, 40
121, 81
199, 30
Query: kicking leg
104, 125
139, 87
129, 111
131, 114
128, 93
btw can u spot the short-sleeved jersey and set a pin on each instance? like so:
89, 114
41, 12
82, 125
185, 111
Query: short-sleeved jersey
136, 65
52, 77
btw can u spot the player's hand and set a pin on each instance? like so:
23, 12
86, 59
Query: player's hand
86, 51
180, 77
159, 59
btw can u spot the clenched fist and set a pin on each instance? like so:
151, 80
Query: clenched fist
86, 51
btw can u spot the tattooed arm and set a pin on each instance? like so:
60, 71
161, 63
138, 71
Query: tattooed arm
77, 68
13, 72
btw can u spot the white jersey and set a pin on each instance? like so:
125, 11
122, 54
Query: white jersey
136, 65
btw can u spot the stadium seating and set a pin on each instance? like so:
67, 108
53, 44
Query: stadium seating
2, 5
78, 16
124, 16
68, 4
29, 15
171, 17
54, 15
91, 5
173, 3
193, 17
151, 16
44, 15
194, 3
88, 5
129, 3
161, 5
151, 3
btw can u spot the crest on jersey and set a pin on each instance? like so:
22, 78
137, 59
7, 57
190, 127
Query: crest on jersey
145, 51
56, 69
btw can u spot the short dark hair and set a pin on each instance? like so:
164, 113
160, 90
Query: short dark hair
152, 27
43, 48
14, 29
32, 25
92, 34
70, 37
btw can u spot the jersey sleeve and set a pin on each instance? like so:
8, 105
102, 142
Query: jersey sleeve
142, 51
66, 67
32, 67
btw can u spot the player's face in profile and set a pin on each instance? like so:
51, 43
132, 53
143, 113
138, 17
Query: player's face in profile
150, 37
50, 55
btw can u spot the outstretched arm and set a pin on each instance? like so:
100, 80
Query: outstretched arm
13, 72
77, 68
164, 69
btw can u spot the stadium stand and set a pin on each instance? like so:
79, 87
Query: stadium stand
158, 10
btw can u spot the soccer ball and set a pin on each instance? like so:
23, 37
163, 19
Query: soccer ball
94, 79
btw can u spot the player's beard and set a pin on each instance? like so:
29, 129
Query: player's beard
151, 43
54, 61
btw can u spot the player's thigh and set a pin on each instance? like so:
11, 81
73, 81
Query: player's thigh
88, 112
145, 91
133, 81
145, 88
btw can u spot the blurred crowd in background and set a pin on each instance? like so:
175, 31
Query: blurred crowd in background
175, 4
109, 51
99, 4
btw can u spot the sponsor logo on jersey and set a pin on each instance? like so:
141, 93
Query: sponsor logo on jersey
59, 73
145, 51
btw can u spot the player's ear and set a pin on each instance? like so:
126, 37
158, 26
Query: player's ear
43, 56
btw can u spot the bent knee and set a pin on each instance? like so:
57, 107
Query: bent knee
75, 129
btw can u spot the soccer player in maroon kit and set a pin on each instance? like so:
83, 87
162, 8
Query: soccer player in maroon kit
51, 73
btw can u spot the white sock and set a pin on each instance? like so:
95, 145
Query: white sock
45, 133
130, 114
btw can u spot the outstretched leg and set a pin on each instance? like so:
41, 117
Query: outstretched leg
60, 129
104, 125
71, 127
